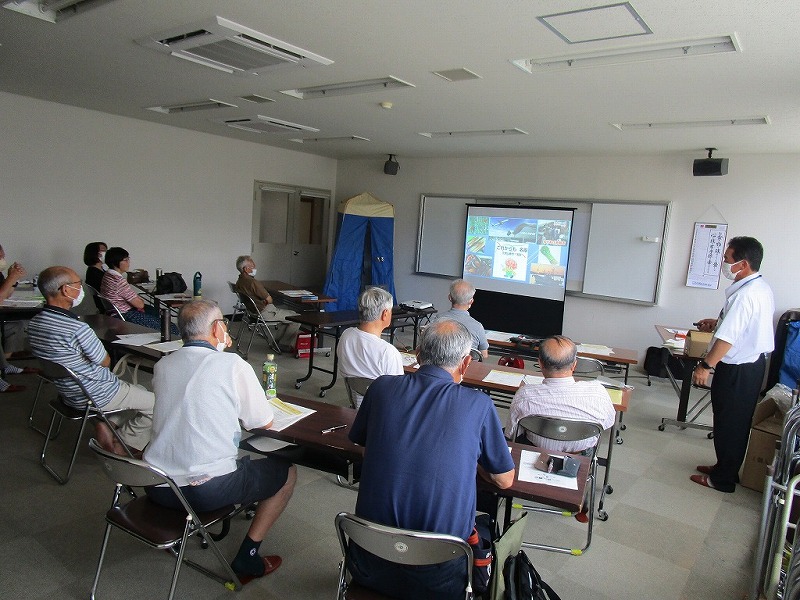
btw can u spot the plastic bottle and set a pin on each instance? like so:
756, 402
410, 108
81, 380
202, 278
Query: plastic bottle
269, 376
198, 286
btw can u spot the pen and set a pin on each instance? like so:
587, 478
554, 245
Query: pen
330, 429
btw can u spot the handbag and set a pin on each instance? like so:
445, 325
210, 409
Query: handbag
482, 556
138, 276
170, 283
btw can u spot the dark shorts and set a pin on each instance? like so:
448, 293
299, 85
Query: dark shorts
252, 481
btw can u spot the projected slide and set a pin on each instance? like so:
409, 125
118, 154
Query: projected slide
518, 250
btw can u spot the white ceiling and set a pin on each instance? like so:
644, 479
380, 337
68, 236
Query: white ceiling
92, 61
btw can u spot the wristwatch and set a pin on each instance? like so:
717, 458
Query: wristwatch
705, 365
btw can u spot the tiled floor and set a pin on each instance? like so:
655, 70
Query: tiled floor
666, 538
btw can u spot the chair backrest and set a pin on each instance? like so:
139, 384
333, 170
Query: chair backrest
53, 371
476, 355
554, 428
402, 546
357, 386
130, 471
232, 287
586, 367
250, 306
109, 306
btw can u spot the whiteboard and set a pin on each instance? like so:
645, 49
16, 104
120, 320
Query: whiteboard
440, 244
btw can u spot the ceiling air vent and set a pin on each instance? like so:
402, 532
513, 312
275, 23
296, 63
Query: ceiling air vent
261, 124
230, 47
51, 10
191, 106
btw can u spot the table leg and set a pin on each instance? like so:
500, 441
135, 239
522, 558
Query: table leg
300, 381
606, 463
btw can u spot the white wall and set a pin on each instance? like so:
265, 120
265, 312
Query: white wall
175, 199
758, 197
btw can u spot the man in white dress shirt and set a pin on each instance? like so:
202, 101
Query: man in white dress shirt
361, 350
561, 396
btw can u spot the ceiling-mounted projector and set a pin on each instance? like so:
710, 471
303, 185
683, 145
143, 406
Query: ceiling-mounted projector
704, 167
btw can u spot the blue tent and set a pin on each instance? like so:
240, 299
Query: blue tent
364, 251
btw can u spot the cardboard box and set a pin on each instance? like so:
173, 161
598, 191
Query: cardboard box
697, 343
765, 432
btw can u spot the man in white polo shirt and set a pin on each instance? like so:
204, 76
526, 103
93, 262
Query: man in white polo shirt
361, 350
743, 336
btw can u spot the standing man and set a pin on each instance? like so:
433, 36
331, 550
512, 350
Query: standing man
56, 334
249, 285
424, 438
205, 396
461, 297
361, 350
743, 336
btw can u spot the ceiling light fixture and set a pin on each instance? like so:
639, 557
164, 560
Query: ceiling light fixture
339, 138
479, 133
690, 124
631, 54
347, 88
191, 106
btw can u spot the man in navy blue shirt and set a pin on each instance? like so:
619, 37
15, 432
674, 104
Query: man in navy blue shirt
424, 437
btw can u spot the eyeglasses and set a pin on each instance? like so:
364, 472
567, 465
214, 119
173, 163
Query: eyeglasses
223, 320
126, 259
79, 282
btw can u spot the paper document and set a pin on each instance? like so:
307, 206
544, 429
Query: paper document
500, 336
265, 444
166, 347
174, 297
527, 472
287, 413
409, 360
595, 349
138, 339
611, 383
503, 378
295, 293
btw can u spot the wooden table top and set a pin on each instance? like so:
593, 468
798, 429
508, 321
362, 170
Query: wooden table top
308, 432
617, 355
275, 287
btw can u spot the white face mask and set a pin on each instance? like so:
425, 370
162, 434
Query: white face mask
3, 264
223, 344
81, 294
727, 271
101, 256
253, 272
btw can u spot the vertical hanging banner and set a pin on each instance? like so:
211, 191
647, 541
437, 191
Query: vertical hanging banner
708, 250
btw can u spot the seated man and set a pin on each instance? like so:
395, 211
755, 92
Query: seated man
205, 396
248, 284
57, 335
425, 436
461, 298
561, 396
361, 350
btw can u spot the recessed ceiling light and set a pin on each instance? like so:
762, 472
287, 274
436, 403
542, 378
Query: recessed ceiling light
457, 74
191, 106
340, 138
478, 133
690, 124
630, 54
256, 98
349, 87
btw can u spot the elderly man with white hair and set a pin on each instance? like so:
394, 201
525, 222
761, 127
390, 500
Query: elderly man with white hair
462, 294
361, 350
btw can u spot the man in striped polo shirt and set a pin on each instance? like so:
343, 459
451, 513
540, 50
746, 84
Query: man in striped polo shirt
56, 334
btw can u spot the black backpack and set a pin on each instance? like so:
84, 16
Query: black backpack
170, 283
523, 582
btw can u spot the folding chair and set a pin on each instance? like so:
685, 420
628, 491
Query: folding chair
586, 367
563, 430
157, 526
356, 386
52, 371
110, 307
42, 380
257, 324
238, 311
401, 546
476, 355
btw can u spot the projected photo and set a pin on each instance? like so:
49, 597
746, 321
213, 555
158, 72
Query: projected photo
518, 250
